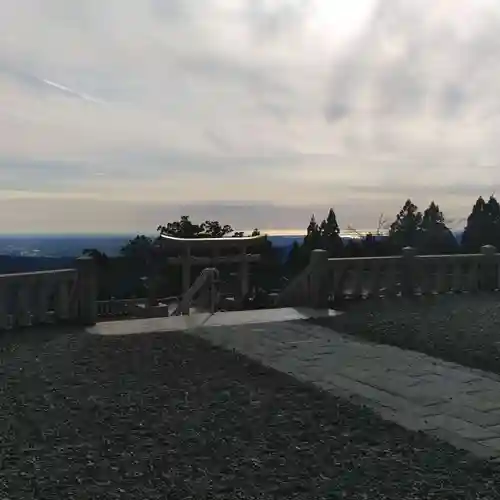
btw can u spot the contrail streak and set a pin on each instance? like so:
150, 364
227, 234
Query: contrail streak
63, 88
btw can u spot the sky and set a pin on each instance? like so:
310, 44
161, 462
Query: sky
120, 115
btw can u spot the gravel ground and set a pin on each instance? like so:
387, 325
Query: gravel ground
461, 328
168, 416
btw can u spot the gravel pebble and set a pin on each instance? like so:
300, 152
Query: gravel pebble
462, 328
169, 416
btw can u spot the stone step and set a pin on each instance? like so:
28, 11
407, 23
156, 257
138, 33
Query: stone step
197, 319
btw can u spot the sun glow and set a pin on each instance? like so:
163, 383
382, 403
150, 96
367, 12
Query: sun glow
339, 20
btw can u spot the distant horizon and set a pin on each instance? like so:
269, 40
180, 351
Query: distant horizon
270, 232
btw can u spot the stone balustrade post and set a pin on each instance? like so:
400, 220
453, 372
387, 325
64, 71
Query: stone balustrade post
489, 268
318, 279
408, 274
87, 290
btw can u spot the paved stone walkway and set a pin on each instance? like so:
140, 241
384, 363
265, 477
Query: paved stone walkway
449, 401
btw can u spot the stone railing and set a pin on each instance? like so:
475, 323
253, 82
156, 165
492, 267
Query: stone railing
136, 308
205, 289
405, 275
47, 297
201, 295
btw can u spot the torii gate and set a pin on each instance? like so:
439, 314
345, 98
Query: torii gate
214, 246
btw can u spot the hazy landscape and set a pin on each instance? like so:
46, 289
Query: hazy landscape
74, 245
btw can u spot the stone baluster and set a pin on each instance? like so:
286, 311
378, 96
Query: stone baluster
441, 278
391, 277
43, 289
4, 313
426, 276
473, 277
457, 275
374, 278
62, 305
23, 312
339, 271
408, 271
319, 279
489, 268
358, 278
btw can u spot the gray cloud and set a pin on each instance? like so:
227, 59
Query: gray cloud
282, 106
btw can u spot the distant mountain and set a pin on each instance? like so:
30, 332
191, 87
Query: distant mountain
60, 245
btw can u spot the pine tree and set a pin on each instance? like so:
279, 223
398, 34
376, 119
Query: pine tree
312, 239
296, 259
493, 210
483, 225
434, 236
330, 234
404, 231
475, 227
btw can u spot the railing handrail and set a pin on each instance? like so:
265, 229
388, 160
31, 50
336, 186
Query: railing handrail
358, 259
137, 300
452, 256
9, 276
380, 258
206, 277
407, 274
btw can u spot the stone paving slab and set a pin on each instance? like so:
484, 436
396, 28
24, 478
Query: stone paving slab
421, 393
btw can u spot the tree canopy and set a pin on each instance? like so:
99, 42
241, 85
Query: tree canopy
404, 230
434, 235
426, 232
184, 228
483, 225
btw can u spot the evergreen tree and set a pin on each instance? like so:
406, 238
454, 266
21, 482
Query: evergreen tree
475, 228
330, 234
296, 260
434, 236
404, 231
141, 250
483, 225
312, 239
493, 211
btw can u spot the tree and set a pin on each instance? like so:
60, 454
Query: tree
434, 235
330, 234
296, 260
100, 258
140, 249
312, 240
483, 225
184, 228
382, 225
213, 229
241, 234
404, 231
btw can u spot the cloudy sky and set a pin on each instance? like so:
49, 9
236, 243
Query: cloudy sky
119, 115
